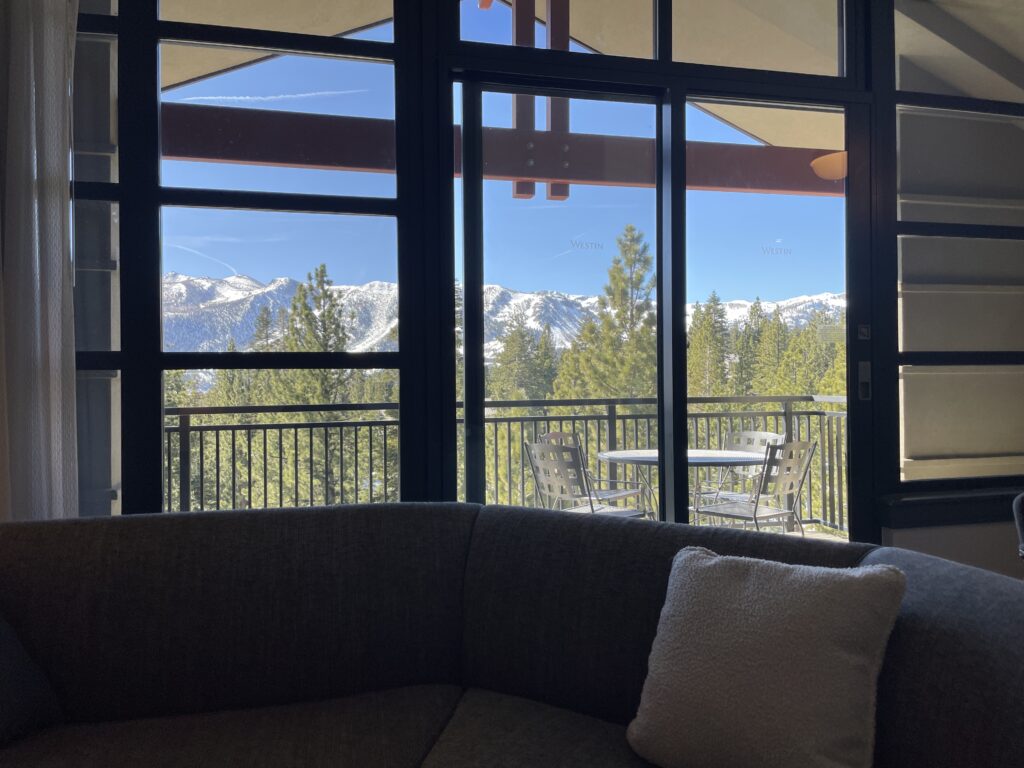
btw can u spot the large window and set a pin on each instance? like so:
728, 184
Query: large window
284, 216
266, 181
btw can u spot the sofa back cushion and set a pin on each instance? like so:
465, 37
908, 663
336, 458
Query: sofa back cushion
165, 614
27, 700
951, 690
564, 607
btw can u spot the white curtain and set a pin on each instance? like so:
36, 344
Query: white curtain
38, 452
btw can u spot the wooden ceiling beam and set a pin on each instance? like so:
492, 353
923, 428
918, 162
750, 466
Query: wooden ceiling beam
329, 142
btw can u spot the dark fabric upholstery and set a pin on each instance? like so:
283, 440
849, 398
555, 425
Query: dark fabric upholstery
563, 608
951, 691
182, 613
390, 729
27, 701
491, 730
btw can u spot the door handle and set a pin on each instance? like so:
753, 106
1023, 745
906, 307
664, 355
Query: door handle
864, 380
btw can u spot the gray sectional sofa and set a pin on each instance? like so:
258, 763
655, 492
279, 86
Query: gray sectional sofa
439, 635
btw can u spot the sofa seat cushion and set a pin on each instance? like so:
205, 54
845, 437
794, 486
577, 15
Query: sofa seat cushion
492, 730
393, 728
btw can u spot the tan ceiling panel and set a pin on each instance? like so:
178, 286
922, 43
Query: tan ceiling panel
182, 64
780, 35
1001, 21
613, 27
784, 126
971, 48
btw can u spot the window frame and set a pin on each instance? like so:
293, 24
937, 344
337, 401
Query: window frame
428, 58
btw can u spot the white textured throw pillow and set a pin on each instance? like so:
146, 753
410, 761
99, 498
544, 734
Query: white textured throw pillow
758, 663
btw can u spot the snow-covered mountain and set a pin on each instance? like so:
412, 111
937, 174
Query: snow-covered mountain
796, 312
204, 314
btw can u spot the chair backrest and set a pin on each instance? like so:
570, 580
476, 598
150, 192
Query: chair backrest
785, 469
749, 440
746, 440
558, 472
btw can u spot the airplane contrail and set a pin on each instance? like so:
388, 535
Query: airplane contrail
204, 255
276, 97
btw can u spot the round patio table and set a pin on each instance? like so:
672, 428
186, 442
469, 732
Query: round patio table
695, 457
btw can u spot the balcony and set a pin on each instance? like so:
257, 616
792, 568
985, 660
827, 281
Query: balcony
255, 457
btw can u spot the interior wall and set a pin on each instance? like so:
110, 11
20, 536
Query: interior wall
992, 546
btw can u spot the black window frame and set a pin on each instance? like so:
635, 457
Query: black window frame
428, 58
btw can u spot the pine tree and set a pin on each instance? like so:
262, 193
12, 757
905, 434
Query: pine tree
706, 355
315, 323
746, 339
263, 331
768, 361
616, 354
509, 377
546, 364
526, 366
807, 359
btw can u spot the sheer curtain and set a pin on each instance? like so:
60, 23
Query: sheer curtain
38, 454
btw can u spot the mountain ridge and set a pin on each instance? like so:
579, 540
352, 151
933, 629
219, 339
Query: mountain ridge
205, 314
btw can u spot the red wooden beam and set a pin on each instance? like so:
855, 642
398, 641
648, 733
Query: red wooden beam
330, 142
558, 107
524, 115
270, 137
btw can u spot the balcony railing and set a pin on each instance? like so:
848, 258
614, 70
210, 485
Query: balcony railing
273, 456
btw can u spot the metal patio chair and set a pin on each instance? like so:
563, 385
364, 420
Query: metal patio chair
563, 482
777, 491
744, 477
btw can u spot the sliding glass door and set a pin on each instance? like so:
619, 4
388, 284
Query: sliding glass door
559, 294
766, 308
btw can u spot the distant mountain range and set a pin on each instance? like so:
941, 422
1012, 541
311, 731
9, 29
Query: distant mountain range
204, 314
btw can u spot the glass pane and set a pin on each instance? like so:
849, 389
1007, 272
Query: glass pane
961, 48
238, 118
271, 281
766, 300
366, 19
95, 109
252, 439
961, 421
961, 167
105, 7
624, 28
783, 35
97, 276
960, 295
99, 443
570, 221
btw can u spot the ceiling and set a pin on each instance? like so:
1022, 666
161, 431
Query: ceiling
948, 46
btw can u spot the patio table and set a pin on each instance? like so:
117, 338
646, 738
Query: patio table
697, 458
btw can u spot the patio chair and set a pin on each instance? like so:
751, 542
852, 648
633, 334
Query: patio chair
745, 477
776, 493
563, 481
615, 489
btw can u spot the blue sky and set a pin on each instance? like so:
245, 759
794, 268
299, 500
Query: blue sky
535, 244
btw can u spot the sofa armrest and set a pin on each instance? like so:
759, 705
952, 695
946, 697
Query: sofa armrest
951, 690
